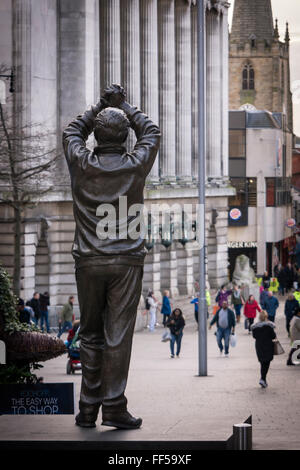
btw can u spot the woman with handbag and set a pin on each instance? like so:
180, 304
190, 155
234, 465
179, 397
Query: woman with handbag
176, 324
264, 333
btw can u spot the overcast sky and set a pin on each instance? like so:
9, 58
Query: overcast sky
288, 10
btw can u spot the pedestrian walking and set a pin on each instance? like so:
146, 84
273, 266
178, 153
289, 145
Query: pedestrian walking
266, 279
290, 308
36, 307
223, 295
225, 320
166, 307
289, 276
66, 317
264, 333
237, 301
263, 297
271, 305
153, 304
44, 304
195, 302
277, 268
251, 306
294, 335
281, 279
176, 323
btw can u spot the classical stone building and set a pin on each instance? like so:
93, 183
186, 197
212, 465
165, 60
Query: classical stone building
260, 137
64, 52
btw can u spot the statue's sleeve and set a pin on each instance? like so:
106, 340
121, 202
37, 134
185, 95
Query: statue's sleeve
76, 134
148, 138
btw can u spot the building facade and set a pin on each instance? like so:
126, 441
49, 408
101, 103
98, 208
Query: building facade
260, 170
260, 137
64, 53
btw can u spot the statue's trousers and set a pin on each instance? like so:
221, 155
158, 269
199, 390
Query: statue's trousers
108, 298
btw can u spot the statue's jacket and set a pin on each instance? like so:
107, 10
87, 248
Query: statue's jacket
108, 175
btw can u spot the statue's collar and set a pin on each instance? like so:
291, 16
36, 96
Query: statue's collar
109, 148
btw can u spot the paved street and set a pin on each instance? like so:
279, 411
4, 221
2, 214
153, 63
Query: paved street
176, 404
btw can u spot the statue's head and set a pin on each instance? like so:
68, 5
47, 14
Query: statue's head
111, 126
243, 261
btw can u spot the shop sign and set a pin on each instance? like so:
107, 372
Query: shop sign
37, 399
242, 244
235, 214
290, 223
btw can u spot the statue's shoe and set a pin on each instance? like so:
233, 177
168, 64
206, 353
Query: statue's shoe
87, 415
120, 420
85, 421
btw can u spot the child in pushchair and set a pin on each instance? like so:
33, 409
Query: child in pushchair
73, 346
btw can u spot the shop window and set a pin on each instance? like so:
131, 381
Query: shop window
237, 143
252, 192
270, 187
278, 191
240, 199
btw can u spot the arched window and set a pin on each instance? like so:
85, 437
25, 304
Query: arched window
248, 77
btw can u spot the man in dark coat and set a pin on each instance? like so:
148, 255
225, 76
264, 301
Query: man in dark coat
281, 279
264, 334
44, 304
107, 188
36, 307
289, 275
290, 309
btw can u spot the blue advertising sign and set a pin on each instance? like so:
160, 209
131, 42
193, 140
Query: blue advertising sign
37, 399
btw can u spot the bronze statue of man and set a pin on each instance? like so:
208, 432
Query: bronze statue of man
109, 270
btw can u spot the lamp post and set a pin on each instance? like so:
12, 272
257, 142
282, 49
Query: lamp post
11, 77
202, 308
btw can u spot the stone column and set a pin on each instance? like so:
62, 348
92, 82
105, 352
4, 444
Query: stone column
130, 53
183, 90
261, 223
149, 68
167, 95
224, 53
185, 270
168, 270
151, 279
213, 101
110, 51
22, 59
78, 71
194, 93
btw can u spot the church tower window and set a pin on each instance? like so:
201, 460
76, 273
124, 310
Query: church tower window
248, 77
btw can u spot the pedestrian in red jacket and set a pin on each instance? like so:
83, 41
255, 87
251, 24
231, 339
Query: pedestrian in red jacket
250, 310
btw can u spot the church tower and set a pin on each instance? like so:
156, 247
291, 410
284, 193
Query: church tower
259, 62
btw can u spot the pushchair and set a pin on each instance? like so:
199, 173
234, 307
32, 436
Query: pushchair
73, 346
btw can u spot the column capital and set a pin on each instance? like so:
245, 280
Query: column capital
221, 6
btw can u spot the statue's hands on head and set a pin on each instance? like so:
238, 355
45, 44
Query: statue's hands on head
114, 96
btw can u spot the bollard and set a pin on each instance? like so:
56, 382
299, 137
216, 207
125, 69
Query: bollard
242, 436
